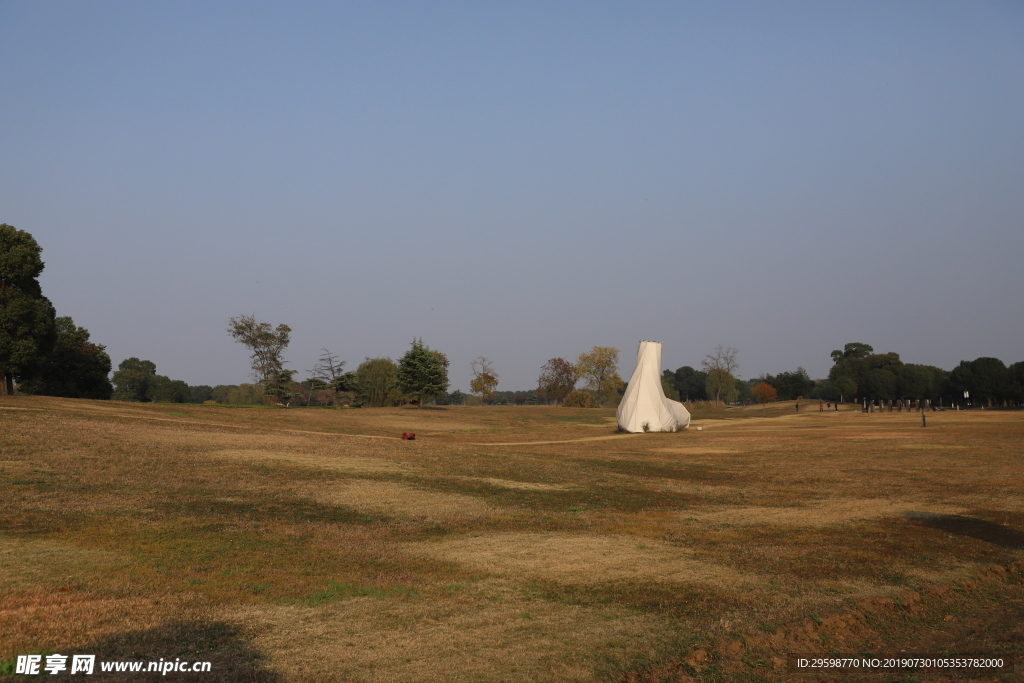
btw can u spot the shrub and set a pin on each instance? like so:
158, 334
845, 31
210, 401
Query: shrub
579, 399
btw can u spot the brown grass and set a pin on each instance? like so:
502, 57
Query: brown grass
505, 543
393, 499
354, 465
821, 514
578, 558
486, 631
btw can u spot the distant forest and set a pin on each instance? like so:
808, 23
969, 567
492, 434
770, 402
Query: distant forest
43, 354
857, 373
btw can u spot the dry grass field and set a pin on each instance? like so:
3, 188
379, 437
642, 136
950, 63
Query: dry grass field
506, 543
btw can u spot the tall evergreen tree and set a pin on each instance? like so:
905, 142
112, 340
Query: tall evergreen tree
27, 317
422, 372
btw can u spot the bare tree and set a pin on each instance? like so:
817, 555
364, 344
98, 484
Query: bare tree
720, 367
485, 379
328, 368
314, 383
329, 377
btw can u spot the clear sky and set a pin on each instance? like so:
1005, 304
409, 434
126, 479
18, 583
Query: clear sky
522, 180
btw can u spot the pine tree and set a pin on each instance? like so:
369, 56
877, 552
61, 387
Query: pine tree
422, 372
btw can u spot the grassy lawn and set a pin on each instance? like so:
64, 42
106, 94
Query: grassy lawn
506, 543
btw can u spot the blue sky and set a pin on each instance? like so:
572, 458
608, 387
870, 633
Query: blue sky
522, 180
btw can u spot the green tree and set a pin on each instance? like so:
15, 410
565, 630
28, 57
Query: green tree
557, 379
790, 385
201, 393
1015, 377
879, 383
842, 386
279, 386
27, 318
600, 370
689, 383
241, 394
848, 375
859, 372
881, 376
132, 379
377, 382
987, 380
74, 367
849, 368
422, 372
454, 398
163, 389
669, 387
852, 351
721, 367
913, 381
743, 388
920, 381
580, 398
721, 385
330, 379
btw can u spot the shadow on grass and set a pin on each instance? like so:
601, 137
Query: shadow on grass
266, 510
622, 498
638, 467
232, 659
990, 532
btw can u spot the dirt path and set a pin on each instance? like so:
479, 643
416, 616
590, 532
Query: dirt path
535, 443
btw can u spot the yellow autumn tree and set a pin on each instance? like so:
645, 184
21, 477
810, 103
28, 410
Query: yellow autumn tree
485, 379
600, 370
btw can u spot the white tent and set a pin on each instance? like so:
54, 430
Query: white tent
644, 402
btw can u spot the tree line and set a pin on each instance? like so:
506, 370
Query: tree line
46, 354
859, 372
419, 376
593, 381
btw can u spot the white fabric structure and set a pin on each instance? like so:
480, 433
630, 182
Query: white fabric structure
644, 402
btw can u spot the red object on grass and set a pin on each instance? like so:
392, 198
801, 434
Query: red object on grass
408, 436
